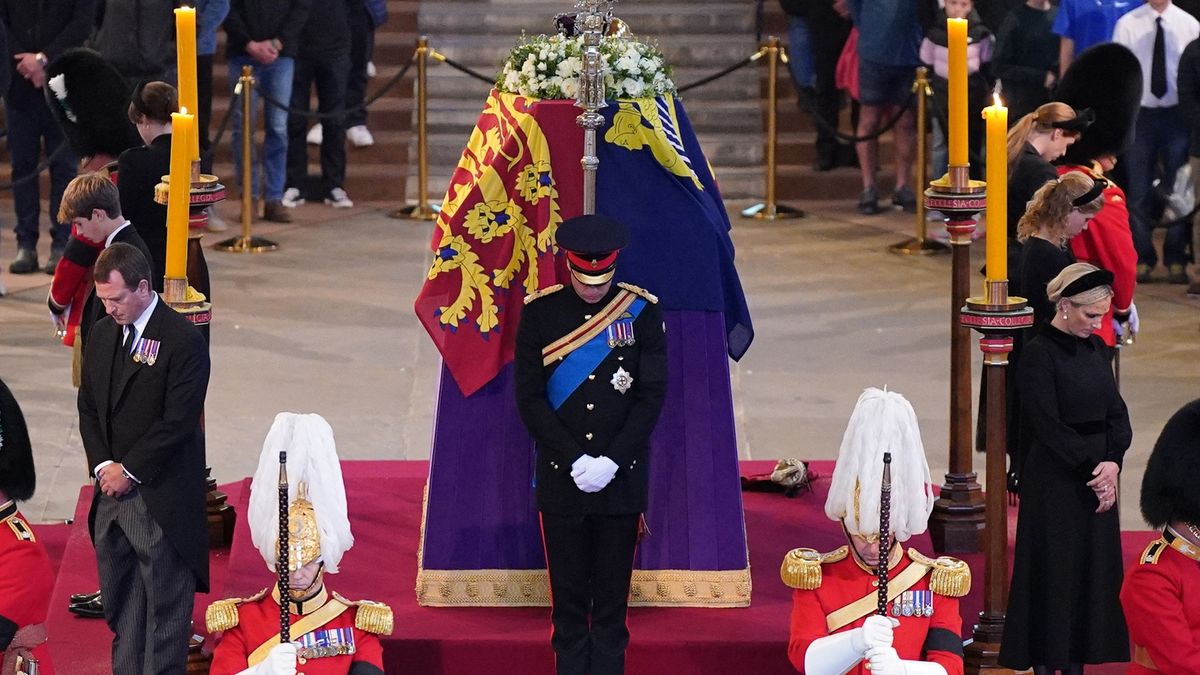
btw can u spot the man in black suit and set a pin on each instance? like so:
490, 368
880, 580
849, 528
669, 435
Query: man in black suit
92, 205
145, 374
591, 375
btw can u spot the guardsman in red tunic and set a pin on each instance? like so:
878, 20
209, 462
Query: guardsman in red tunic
329, 634
25, 575
1106, 79
1159, 595
835, 627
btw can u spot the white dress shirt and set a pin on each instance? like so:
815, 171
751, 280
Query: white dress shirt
1136, 31
109, 239
139, 324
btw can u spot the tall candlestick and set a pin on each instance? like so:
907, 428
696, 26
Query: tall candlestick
182, 130
956, 30
185, 53
997, 191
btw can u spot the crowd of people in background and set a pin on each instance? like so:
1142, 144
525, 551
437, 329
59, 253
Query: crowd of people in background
291, 45
868, 60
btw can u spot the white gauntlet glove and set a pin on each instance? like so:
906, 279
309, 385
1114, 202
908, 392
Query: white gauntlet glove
598, 475
281, 660
837, 654
885, 661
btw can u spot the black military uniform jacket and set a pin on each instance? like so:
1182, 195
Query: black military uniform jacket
596, 419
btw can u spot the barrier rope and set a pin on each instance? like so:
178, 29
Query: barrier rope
62, 147
461, 68
833, 130
724, 71
340, 112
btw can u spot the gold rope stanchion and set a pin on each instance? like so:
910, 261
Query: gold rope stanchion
422, 210
246, 243
769, 210
920, 245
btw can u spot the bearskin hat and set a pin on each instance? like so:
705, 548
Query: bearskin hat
1169, 484
17, 476
90, 100
1108, 79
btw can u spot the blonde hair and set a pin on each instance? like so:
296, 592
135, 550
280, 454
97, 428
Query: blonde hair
1070, 273
1040, 121
1053, 202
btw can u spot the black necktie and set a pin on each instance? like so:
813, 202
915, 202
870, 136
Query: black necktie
131, 338
1158, 65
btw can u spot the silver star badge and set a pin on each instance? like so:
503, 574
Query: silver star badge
622, 380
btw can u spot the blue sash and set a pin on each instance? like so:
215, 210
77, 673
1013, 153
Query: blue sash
580, 363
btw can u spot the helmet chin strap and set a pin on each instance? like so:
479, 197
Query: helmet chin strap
303, 594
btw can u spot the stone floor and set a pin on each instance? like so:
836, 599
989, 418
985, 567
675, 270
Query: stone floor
326, 325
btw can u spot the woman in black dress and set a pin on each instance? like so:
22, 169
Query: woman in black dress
1063, 606
1034, 141
140, 169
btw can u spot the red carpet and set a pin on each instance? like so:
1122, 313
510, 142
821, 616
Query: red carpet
385, 509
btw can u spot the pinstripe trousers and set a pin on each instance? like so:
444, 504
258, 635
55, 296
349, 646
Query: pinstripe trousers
147, 587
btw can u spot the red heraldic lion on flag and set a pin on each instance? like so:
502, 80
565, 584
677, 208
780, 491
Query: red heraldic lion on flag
493, 242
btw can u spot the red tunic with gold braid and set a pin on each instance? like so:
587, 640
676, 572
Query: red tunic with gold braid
930, 636
25, 584
257, 620
1107, 243
1162, 609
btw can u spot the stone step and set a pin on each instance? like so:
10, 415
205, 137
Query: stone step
643, 18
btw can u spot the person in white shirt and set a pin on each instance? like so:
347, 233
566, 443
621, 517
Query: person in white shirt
1157, 33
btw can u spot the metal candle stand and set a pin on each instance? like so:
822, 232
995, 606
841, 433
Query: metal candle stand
956, 525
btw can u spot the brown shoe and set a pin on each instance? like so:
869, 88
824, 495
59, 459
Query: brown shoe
276, 212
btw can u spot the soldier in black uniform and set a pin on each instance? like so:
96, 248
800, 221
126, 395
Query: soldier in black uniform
591, 375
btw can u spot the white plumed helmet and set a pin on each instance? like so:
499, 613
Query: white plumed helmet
314, 474
882, 421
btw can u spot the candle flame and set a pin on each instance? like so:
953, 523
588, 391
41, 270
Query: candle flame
996, 100
183, 110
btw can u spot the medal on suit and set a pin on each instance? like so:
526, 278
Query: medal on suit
146, 351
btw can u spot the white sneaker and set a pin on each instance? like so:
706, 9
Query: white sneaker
371, 69
291, 198
360, 136
338, 199
314, 135
215, 222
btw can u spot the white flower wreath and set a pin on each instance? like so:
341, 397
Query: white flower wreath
548, 67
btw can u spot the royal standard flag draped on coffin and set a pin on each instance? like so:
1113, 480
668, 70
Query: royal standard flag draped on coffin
520, 176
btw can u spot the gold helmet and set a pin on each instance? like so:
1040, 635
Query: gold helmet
318, 525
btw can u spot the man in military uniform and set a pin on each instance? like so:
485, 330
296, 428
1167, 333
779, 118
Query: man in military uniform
329, 634
591, 375
1158, 593
28, 579
835, 627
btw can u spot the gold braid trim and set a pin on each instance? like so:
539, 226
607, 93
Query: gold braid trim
802, 566
639, 291
223, 614
544, 292
951, 577
531, 588
373, 617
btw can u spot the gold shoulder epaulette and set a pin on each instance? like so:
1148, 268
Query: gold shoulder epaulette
639, 291
951, 577
544, 292
373, 617
802, 567
223, 614
1153, 550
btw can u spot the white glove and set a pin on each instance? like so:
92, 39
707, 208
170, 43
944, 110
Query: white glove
876, 633
885, 661
281, 660
581, 465
1134, 323
598, 475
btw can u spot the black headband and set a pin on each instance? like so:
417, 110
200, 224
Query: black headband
1087, 282
1080, 122
1098, 187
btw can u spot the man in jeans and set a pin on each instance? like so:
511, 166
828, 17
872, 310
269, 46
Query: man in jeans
265, 35
38, 32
